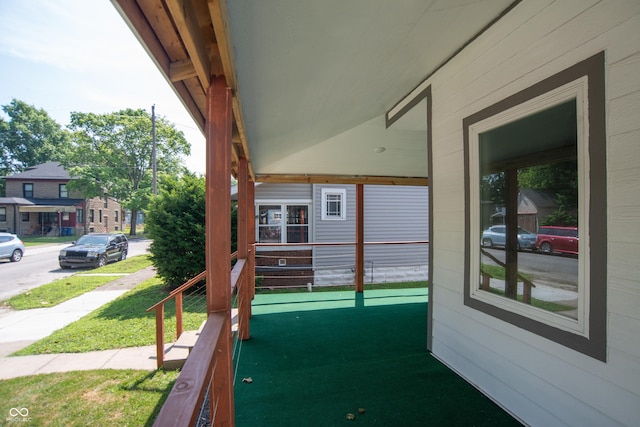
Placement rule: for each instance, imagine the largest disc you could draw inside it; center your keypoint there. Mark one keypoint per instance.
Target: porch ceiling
(312, 81)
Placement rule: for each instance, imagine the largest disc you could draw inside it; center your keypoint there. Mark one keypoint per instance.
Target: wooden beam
(181, 70)
(244, 293)
(251, 226)
(218, 12)
(218, 235)
(342, 179)
(218, 203)
(139, 24)
(359, 237)
(219, 16)
(186, 22)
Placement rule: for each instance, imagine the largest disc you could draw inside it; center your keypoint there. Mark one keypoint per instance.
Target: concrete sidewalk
(18, 329)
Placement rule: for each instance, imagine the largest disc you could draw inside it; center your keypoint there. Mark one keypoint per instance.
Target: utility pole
(153, 149)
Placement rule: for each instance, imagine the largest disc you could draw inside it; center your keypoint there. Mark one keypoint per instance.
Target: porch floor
(315, 357)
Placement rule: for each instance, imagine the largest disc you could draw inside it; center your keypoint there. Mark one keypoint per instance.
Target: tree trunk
(134, 222)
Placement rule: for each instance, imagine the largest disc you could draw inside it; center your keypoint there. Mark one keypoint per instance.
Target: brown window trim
(595, 345)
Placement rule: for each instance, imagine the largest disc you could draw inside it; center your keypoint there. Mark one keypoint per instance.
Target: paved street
(39, 266)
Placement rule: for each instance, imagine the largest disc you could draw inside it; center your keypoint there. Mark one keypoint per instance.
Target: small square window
(334, 204)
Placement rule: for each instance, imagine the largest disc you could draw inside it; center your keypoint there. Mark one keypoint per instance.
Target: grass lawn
(69, 287)
(122, 323)
(86, 398)
(43, 240)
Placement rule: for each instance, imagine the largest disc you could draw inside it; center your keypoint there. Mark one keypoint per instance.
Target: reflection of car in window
(557, 239)
(496, 236)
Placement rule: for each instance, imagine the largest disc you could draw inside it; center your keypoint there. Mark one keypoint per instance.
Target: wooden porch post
(251, 238)
(244, 294)
(359, 237)
(218, 236)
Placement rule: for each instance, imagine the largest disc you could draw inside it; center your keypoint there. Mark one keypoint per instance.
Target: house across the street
(38, 202)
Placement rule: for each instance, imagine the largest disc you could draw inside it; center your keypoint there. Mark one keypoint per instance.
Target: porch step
(177, 353)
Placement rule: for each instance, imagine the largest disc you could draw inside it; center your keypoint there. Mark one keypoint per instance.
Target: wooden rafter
(185, 19)
(342, 179)
(181, 70)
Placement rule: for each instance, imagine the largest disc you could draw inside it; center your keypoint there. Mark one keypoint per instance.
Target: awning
(43, 208)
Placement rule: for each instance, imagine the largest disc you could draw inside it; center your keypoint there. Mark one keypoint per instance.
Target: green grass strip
(66, 288)
(82, 398)
(122, 323)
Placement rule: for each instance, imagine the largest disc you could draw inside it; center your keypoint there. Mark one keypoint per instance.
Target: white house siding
(391, 213)
(541, 382)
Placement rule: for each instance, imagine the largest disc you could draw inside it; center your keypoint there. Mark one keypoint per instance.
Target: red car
(552, 239)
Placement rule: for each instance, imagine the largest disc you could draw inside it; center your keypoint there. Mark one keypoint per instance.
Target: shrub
(176, 224)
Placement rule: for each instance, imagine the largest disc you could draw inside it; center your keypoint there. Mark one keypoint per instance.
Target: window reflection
(529, 211)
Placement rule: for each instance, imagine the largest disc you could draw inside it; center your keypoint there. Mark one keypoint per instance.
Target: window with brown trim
(535, 242)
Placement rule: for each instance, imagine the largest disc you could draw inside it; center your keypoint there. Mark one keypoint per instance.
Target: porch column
(359, 237)
(244, 293)
(251, 238)
(218, 235)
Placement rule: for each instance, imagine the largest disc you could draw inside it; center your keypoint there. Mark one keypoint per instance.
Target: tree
(561, 179)
(30, 137)
(175, 222)
(111, 155)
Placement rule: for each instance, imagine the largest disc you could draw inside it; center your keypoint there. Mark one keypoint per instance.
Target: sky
(79, 55)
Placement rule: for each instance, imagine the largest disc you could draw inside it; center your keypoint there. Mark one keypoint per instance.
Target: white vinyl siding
(391, 213)
(539, 381)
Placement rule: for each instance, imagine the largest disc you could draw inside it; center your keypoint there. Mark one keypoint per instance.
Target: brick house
(38, 202)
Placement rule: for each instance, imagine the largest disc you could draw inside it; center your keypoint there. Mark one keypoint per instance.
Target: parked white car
(11, 247)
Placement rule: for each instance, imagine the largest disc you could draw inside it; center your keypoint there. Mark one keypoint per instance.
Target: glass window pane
(269, 234)
(297, 224)
(528, 184)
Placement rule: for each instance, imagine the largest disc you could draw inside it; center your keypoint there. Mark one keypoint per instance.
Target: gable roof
(49, 170)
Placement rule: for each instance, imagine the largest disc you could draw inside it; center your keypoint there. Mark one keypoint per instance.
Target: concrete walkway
(18, 329)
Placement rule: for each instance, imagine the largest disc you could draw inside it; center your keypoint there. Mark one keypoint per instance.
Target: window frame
(63, 193)
(24, 190)
(585, 79)
(3, 214)
(326, 192)
(284, 219)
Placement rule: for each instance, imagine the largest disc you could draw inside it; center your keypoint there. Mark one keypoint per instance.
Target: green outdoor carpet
(313, 358)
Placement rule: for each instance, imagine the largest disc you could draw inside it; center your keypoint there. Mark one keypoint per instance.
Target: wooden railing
(199, 372)
(486, 277)
(159, 308)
